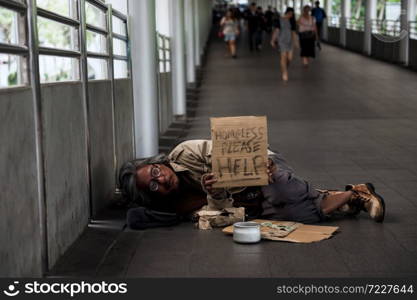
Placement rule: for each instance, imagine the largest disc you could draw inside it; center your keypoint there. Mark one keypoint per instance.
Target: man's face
(158, 179)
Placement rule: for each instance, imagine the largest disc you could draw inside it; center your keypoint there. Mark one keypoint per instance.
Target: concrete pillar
(405, 17)
(178, 57)
(145, 101)
(197, 32)
(370, 14)
(190, 41)
(327, 5)
(345, 14)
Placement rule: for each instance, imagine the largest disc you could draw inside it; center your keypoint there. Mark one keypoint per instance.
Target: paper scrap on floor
(291, 231)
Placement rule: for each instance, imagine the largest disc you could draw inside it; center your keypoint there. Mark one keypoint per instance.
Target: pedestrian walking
(254, 27)
(307, 31)
(284, 38)
(230, 29)
(319, 14)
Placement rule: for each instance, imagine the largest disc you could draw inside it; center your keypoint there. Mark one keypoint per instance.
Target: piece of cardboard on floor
(303, 234)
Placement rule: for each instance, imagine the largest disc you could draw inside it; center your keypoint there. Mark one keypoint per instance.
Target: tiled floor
(345, 119)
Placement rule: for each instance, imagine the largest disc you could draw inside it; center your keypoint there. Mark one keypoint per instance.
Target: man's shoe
(349, 209)
(365, 198)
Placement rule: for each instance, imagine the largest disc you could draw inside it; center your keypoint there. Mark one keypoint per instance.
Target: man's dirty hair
(128, 179)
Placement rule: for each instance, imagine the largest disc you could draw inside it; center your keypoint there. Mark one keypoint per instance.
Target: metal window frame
(123, 38)
(165, 59)
(106, 32)
(163, 48)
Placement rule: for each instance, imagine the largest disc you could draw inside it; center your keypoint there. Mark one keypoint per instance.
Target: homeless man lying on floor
(169, 188)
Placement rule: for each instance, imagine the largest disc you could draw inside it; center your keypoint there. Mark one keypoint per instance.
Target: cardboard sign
(239, 154)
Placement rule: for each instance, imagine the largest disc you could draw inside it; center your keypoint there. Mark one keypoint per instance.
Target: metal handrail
(412, 28)
(386, 27)
(355, 24)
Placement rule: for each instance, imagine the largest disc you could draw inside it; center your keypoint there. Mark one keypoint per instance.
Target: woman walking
(285, 38)
(307, 30)
(230, 29)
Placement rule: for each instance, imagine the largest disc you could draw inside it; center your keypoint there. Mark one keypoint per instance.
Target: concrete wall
(385, 51)
(20, 240)
(413, 53)
(334, 36)
(354, 40)
(165, 101)
(123, 120)
(100, 116)
(67, 195)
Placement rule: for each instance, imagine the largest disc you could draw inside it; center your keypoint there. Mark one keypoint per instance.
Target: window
(95, 16)
(58, 68)
(57, 35)
(66, 8)
(334, 19)
(413, 20)
(388, 14)
(13, 70)
(97, 68)
(58, 26)
(13, 67)
(119, 26)
(120, 68)
(120, 47)
(357, 13)
(96, 42)
(336, 7)
(9, 27)
(164, 53)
